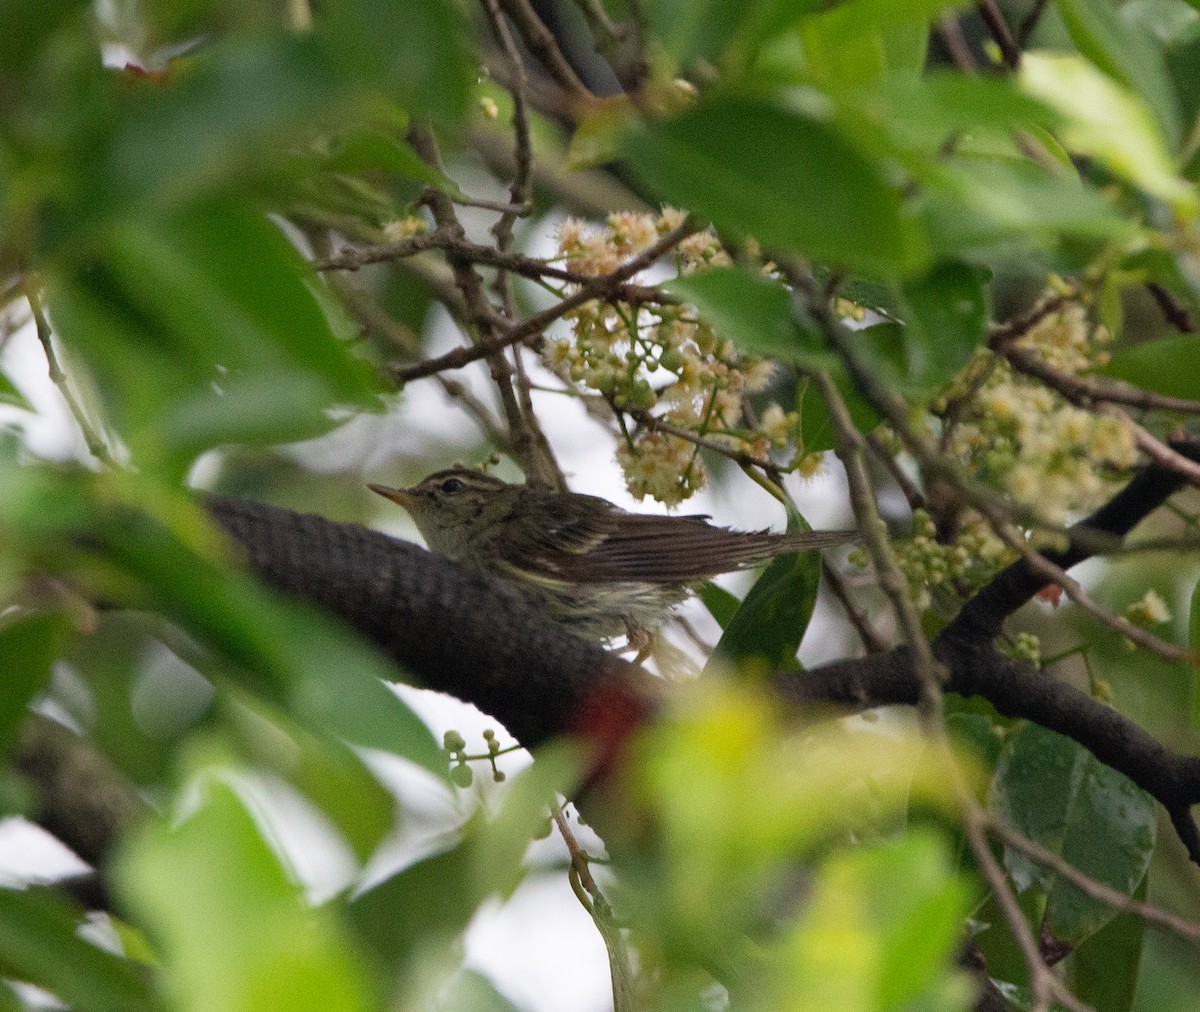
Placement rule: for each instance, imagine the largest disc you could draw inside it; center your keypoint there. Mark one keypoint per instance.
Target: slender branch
(1010, 52)
(489, 256)
(1087, 391)
(624, 980)
(1119, 901)
(851, 449)
(908, 488)
(871, 639)
(95, 443)
(602, 287)
(541, 467)
(1043, 984)
(544, 47)
(1174, 312)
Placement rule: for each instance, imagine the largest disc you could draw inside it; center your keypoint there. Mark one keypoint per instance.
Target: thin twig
(998, 28)
(895, 410)
(541, 467)
(595, 288)
(1106, 894)
(624, 981)
(488, 256)
(851, 449)
(951, 34)
(913, 495)
(871, 639)
(95, 443)
(1174, 312)
(544, 47)
(1087, 391)
(1043, 984)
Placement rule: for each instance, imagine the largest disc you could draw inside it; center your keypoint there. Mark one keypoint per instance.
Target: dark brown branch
(453, 628)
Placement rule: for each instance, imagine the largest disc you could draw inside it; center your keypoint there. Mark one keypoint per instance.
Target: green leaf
(1108, 123)
(417, 50)
(472, 992)
(901, 902)
(702, 29)
(792, 182)
(430, 903)
(1125, 53)
(754, 312)
(721, 604)
(327, 772)
(864, 40)
(1056, 792)
(202, 329)
(1167, 365)
(945, 314)
(1104, 969)
(9, 394)
(236, 931)
(318, 671)
(772, 620)
(28, 648)
(977, 202)
(26, 28)
(40, 943)
(228, 119)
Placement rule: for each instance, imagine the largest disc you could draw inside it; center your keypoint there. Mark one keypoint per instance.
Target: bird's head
(456, 509)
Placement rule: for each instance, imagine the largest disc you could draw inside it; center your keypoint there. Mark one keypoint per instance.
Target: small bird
(600, 570)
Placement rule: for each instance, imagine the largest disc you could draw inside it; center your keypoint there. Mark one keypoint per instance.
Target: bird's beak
(401, 496)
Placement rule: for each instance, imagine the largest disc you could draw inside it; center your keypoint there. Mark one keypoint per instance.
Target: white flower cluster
(1017, 435)
(661, 360)
(1024, 438)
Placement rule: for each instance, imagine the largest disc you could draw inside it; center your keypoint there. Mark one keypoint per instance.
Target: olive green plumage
(601, 570)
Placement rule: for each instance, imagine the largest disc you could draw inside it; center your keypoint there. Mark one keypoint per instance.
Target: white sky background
(540, 948)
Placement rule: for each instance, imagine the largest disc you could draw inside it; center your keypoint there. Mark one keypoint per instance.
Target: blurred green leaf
(473, 992)
(1166, 365)
(29, 646)
(1104, 969)
(227, 116)
(430, 903)
(1056, 792)
(787, 179)
(26, 27)
(976, 202)
(202, 329)
(327, 772)
(701, 29)
(417, 50)
(945, 314)
(426, 905)
(174, 563)
(1124, 52)
(40, 943)
(9, 394)
(235, 931)
(864, 40)
(1109, 124)
(903, 906)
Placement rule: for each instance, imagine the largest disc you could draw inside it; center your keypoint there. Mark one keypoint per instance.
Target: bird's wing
(582, 539)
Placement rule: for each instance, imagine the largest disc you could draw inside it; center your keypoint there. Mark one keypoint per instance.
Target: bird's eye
(451, 485)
